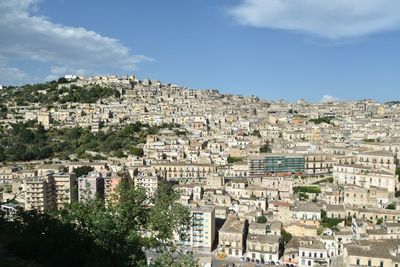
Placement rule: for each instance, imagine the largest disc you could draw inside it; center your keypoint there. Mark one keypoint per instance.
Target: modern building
(200, 235)
(65, 186)
(39, 193)
(90, 185)
(276, 163)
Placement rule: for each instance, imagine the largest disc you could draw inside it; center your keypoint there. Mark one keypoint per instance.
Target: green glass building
(276, 163)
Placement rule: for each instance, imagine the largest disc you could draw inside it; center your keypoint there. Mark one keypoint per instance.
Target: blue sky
(275, 49)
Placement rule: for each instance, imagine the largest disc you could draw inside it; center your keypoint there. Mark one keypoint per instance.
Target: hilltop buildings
(251, 171)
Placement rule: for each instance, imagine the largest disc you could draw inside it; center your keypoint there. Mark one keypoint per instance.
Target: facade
(147, 181)
(262, 244)
(200, 235)
(65, 186)
(312, 252)
(379, 253)
(39, 193)
(365, 176)
(232, 236)
(90, 185)
(276, 163)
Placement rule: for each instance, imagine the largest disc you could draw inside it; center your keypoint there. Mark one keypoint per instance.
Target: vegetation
(233, 159)
(30, 141)
(286, 236)
(84, 170)
(266, 148)
(303, 196)
(327, 180)
(90, 233)
(321, 120)
(379, 221)
(398, 172)
(307, 189)
(256, 133)
(34, 94)
(329, 222)
(348, 221)
(391, 206)
(261, 219)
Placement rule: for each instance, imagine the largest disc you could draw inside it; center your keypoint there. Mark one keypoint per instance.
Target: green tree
(181, 260)
(286, 236)
(83, 170)
(261, 219)
(167, 215)
(266, 148)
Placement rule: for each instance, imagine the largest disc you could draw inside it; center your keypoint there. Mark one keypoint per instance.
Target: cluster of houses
(267, 182)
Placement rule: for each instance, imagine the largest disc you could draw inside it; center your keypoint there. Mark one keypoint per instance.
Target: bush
(261, 219)
(307, 189)
(233, 159)
(391, 206)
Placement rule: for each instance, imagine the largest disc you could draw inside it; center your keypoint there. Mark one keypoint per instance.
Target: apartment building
(200, 235)
(65, 186)
(90, 185)
(39, 193)
(374, 253)
(232, 236)
(261, 244)
(312, 252)
(365, 176)
(148, 181)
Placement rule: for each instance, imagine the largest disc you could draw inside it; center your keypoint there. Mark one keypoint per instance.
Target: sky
(275, 49)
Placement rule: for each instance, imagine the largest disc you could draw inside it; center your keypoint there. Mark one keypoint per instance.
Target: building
(365, 176)
(232, 236)
(261, 245)
(111, 183)
(65, 186)
(201, 234)
(39, 193)
(276, 163)
(148, 181)
(44, 119)
(312, 252)
(374, 253)
(90, 185)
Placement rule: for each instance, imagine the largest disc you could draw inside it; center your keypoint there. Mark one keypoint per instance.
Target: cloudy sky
(275, 49)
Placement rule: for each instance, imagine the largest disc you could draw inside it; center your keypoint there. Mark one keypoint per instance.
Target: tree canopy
(91, 233)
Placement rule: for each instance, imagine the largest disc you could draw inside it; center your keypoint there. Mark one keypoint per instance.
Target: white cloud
(27, 36)
(329, 98)
(11, 74)
(332, 19)
(60, 71)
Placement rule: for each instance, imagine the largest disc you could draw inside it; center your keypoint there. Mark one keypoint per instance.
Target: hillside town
(267, 183)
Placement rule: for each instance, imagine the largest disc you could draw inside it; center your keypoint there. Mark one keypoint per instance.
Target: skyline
(237, 47)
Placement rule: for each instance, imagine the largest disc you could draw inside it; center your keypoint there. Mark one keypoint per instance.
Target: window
(358, 262)
(381, 265)
(369, 262)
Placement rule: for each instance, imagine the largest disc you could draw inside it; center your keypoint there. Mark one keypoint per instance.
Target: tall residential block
(90, 185)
